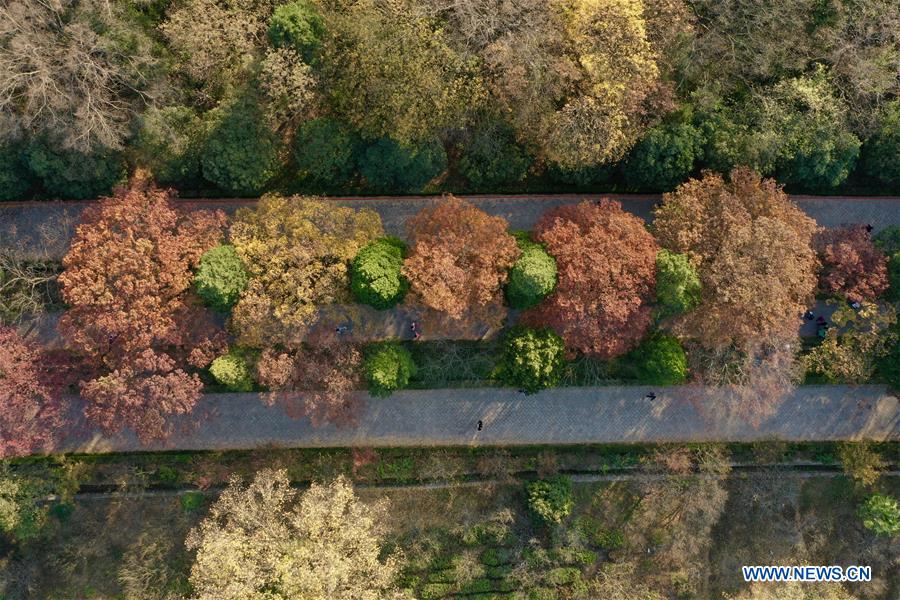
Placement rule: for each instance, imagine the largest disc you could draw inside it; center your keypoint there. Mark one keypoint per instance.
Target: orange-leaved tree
(127, 281)
(606, 261)
(853, 265)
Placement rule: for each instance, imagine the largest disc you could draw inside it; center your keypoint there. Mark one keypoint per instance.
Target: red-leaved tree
(851, 264)
(606, 261)
(127, 281)
(31, 409)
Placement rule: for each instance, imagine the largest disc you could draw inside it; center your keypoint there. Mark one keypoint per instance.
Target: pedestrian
(855, 305)
(820, 320)
(651, 396)
(808, 315)
(479, 425)
(869, 228)
(822, 331)
(523, 392)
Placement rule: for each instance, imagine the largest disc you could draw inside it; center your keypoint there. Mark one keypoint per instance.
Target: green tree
(168, 142)
(533, 275)
(551, 499)
(221, 277)
(297, 25)
(664, 157)
(375, 276)
(678, 285)
(888, 240)
(881, 514)
(661, 361)
(325, 152)
(533, 359)
(13, 173)
(388, 367)
(861, 462)
(241, 153)
(888, 367)
(491, 156)
(390, 167)
(881, 152)
(70, 174)
(232, 371)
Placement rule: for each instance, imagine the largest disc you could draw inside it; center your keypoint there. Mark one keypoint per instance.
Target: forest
(242, 97)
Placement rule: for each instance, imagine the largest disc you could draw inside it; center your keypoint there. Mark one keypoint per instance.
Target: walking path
(558, 416)
(46, 227)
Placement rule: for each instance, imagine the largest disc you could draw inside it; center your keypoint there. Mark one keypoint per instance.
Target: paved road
(559, 416)
(21, 223)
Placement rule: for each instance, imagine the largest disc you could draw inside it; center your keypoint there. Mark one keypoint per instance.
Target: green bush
(562, 576)
(390, 167)
(661, 360)
(533, 359)
(492, 157)
(888, 239)
(550, 500)
(325, 152)
(375, 276)
(68, 174)
(677, 284)
(434, 591)
(582, 177)
(532, 277)
(881, 152)
(232, 371)
(881, 514)
(664, 158)
(888, 367)
(297, 25)
(192, 501)
(241, 153)
(168, 142)
(14, 176)
(388, 367)
(221, 277)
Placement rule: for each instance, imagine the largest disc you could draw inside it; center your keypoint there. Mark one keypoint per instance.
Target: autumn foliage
(459, 258)
(606, 262)
(852, 265)
(127, 282)
(30, 409)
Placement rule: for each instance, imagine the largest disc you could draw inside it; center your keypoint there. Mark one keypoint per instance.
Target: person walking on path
(651, 396)
(480, 425)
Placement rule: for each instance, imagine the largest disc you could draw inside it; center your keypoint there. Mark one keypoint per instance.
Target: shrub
(325, 152)
(232, 371)
(533, 359)
(297, 25)
(888, 367)
(662, 361)
(881, 152)
(563, 576)
(221, 277)
(192, 501)
(74, 175)
(881, 514)
(860, 462)
(388, 367)
(241, 153)
(532, 277)
(585, 176)
(664, 157)
(551, 499)
(888, 240)
(169, 141)
(375, 276)
(13, 173)
(492, 157)
(390, 167)
(677, 284)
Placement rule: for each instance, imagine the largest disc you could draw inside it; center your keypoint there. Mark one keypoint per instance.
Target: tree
(232, 371)
(71, 174)
(459, 258)
(288, 85)
(73, 71)
(390, 167)
(533, 359)
(266, 539)
(297, 25)
(14, 176)
(678, 287)
(27, 286)
(881, 514)
(661, 361)
(325, 152)
(664, 157)
(31, 409)
(388, 367)
(607, 264)
(881, 152)
(492, 157)
(375, 275)
(390, 72)
(888, 240)
(221, 277)
(297, 251)
(860, 462)
(168, 142)
(127, 281)
(551, 499)
(241, 152)
(532, 277)
(852, 265)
